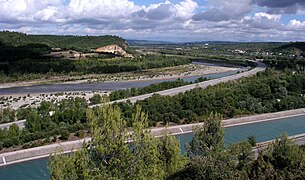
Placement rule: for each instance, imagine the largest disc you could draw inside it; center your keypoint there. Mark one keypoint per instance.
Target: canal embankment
(45, 151)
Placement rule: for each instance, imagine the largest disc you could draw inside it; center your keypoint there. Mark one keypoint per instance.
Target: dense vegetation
(290, 46)
(121, 94)
(32, 67)
(46, 123)
(107, 156)
(283, 64)
(7, 115)
(269, 91)
(80, 43)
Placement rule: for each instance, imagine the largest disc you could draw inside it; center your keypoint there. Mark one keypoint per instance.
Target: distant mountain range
(147, 42)
(150, 42)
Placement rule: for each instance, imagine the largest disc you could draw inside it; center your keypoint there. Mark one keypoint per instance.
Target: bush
(80, 134)
(96, 99)
(54, 139)
(22, 113)
(64, 134)
(8, 143)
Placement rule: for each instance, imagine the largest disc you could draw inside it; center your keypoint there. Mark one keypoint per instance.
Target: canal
(263, 131)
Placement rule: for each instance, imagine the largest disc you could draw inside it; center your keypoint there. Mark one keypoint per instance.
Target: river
(263, 131)
(109, 86)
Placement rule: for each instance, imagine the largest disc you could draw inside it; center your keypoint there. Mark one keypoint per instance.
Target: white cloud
(262, 15)
(224, 10)
(183, 10)
(186, 8)
(29, 10)
(101, 8)
(295, 25)
(262, 20)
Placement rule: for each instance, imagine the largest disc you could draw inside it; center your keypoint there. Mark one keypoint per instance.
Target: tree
(252, 141)
(170, 154)
(283, 159)
(96, 99)
(208, 140)
(208, 168)
(208, 160)
(114, 153)
(243, 154)
(13, 131)
(33, 121)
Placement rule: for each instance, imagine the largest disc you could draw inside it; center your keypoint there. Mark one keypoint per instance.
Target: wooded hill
(297, 45)
(295, 48)
(80, 43)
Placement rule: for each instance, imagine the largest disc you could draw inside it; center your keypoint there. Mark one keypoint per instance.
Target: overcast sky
(172, 20)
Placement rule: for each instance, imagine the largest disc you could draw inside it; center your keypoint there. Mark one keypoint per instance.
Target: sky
(165, 20)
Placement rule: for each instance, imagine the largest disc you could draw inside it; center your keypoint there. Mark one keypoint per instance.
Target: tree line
(48, 66)
(268, 91)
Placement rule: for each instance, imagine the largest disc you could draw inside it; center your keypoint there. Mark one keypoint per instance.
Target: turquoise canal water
(264, 131)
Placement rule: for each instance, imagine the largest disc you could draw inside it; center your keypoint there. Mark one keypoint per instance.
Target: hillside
(80, 43)
(296, 46)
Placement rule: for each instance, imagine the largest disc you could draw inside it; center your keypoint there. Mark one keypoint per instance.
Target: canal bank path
(70, 146)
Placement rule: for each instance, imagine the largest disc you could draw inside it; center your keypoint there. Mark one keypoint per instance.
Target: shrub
(64, 134)
(96, 99)
(54, 138)
(80, 134)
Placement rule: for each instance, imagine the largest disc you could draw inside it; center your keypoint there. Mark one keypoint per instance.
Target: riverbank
(151, 74)
(16, 101)
(45, 151)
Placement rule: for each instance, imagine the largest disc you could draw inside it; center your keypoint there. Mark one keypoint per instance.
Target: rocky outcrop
(114, 49)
